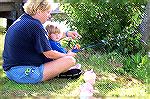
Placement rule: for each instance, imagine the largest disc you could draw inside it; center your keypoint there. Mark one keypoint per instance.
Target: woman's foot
(70, 74)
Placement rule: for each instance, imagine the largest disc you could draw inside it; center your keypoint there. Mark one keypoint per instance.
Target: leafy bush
(114, 22)
(138, 66)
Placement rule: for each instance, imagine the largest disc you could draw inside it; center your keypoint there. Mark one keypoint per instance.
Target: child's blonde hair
(31, 6)
(52, 29)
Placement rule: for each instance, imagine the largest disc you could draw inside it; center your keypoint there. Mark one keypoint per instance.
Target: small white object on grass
(86, 89)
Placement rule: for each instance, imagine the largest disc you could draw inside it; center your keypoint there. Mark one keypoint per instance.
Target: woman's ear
(38, 12)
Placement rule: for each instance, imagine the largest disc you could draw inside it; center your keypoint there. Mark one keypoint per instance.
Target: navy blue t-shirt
(25, 41)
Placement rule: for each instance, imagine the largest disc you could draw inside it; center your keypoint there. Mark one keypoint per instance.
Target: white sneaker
(77, 66)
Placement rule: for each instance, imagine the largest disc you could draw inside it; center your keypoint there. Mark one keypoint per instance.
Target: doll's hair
(88, 75)
(31, 6)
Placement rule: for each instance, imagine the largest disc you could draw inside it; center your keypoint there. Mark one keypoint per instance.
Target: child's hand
(76, 48)
(70, 53)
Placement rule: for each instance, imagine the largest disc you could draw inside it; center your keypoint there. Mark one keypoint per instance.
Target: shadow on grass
(54, 87)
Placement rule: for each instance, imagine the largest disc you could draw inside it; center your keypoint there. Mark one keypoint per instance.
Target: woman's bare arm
(52, 54)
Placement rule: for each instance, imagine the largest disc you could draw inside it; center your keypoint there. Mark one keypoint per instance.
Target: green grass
(54, 87)
(108, 83)
(1, 43)
(1, 50)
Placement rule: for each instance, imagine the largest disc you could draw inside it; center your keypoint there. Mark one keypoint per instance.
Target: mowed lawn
(108, 82)
(1, 50)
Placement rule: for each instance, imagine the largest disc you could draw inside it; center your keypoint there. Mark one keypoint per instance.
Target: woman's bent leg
(54, 68)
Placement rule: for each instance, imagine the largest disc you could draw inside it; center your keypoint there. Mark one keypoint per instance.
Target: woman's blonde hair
(52, 29)
(31, 6)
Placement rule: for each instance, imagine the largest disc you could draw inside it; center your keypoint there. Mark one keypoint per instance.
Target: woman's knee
(70, 59)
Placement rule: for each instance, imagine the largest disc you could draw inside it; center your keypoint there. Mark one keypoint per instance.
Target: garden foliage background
(120, 59)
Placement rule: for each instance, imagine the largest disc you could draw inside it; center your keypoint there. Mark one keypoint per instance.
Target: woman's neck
(36, 16)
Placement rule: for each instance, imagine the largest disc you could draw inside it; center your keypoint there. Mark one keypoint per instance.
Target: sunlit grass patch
(2, 36)
(1, 44)
(135, 90)
(105, 86)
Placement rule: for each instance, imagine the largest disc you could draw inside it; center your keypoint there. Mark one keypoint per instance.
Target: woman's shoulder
(30, 20)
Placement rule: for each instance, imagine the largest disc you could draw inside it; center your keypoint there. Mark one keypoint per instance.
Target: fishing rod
(102, 43)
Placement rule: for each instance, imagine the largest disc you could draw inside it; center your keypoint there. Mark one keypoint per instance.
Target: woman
(26, 47)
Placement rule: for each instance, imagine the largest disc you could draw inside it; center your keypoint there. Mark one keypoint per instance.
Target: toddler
(55, 35)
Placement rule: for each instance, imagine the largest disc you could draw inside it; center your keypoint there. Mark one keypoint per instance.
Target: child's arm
(57, 46)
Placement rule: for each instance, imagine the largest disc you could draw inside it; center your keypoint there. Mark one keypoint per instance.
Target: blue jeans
(26, 74)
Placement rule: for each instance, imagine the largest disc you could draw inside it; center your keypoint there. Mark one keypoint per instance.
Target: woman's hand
(70, 53)
(73, 34)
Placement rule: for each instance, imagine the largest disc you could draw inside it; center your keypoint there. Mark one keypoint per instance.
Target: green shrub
(137, 66)
(114, 22)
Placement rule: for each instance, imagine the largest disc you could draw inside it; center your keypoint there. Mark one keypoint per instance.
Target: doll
(86, 89)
